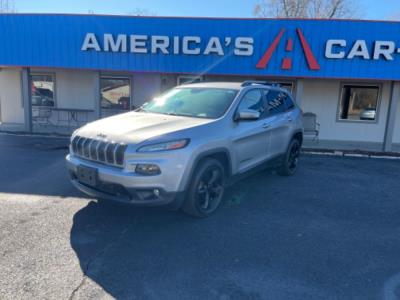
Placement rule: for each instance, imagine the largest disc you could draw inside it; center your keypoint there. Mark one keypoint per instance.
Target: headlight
(172, 145)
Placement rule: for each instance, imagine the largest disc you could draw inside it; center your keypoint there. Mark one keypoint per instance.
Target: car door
(250, 138)
(279, 121)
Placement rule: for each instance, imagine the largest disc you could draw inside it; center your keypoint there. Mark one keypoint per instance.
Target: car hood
(136, 127)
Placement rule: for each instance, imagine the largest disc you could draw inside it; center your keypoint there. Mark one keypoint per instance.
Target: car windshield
(210, 103)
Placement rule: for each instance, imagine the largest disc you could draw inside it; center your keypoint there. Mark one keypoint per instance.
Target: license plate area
(87, 175)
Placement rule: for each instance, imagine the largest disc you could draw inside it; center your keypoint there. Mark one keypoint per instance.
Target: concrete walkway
(346, 146)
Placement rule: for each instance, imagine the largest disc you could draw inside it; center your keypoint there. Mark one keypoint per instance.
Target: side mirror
(247, 115)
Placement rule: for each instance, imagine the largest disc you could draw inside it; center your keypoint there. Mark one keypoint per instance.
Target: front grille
(109, 153)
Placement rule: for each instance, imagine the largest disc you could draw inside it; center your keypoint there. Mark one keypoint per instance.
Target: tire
(291, 159)
(206, 189)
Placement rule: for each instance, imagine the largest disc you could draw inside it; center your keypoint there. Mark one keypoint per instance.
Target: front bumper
(118, 185)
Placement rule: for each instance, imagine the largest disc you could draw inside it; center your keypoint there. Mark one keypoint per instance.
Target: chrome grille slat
(105, 152)
(82, 147)
(79, 145)
(86, 148)
(110, 158)
(93, 149)
(97, 149)
(119, 156)
(74, 143)
(110, 153)
(114, 153)
(101, 152)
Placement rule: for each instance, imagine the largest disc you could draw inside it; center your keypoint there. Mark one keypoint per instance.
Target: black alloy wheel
(206, 189)
(290, 161)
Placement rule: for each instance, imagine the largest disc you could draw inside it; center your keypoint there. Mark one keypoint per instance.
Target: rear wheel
(291, 159)
(206, 189)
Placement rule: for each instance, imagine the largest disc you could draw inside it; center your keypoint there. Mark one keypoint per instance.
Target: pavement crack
(93, 259)
(81, 284)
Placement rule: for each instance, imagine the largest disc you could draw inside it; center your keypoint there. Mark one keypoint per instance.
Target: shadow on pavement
(273, 238)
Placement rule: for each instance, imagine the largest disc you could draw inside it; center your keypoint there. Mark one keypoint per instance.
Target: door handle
(290, 119)
(266, 125)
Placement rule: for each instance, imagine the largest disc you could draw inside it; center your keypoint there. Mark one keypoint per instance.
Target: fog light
(156, 193)
(130, 167)
(147, 169)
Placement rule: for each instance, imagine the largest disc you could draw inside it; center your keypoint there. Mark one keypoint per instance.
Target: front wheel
(206, 189)
(291, 159)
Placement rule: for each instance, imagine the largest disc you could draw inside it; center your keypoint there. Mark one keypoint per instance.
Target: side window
(276, 102)
(253, 99)
(289, 102)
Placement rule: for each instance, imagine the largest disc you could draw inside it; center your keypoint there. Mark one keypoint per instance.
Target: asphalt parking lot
(332, 231)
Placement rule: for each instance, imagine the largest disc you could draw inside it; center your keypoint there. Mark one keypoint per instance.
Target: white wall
(145, 87)
(322, 98)
(11, 108)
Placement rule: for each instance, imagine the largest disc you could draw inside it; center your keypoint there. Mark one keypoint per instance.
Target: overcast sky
(370, 9)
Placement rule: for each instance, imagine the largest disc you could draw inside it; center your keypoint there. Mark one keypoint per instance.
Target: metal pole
(26, 98)
(299, 91)
(391, 116)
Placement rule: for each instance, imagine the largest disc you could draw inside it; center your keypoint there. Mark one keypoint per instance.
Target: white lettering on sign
(176, 44)
(243, 46)
(159, 43)
(220, 46)
(214, 47)
(385, 49)
(332, 49)
(337, 49)
(359, 49)
(138, 43)
(187, 43)
(90, 43)
(114, 45)
(165, 45)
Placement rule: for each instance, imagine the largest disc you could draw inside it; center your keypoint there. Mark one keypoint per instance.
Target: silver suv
(182, 148)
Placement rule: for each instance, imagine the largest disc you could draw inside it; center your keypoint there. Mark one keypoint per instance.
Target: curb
(353, 153)
(39, 141)
(38, 135)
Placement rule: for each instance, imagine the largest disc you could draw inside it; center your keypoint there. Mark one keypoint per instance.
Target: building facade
(58, 72)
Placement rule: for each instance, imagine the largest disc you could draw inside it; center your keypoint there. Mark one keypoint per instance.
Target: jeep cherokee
(181, 148)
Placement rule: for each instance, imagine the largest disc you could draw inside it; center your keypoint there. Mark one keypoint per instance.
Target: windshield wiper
(179, 115)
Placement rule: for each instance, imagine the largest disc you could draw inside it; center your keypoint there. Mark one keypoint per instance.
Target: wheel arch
(298, 135)
(220, 154)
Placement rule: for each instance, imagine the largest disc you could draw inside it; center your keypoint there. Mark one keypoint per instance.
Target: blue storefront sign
(257, 47)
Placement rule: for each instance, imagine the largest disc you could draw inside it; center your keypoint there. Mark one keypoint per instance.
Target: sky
(369, 9)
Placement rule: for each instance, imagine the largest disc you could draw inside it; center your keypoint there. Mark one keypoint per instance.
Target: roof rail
(251, 82)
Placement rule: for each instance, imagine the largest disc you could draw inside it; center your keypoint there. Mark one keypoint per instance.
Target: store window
(186, 79)
(42, 92)
(358, 103)
(287, 86)
(115, 93)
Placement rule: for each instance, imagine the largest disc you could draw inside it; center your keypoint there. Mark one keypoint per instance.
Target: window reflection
(42, 93)
(115, 93)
